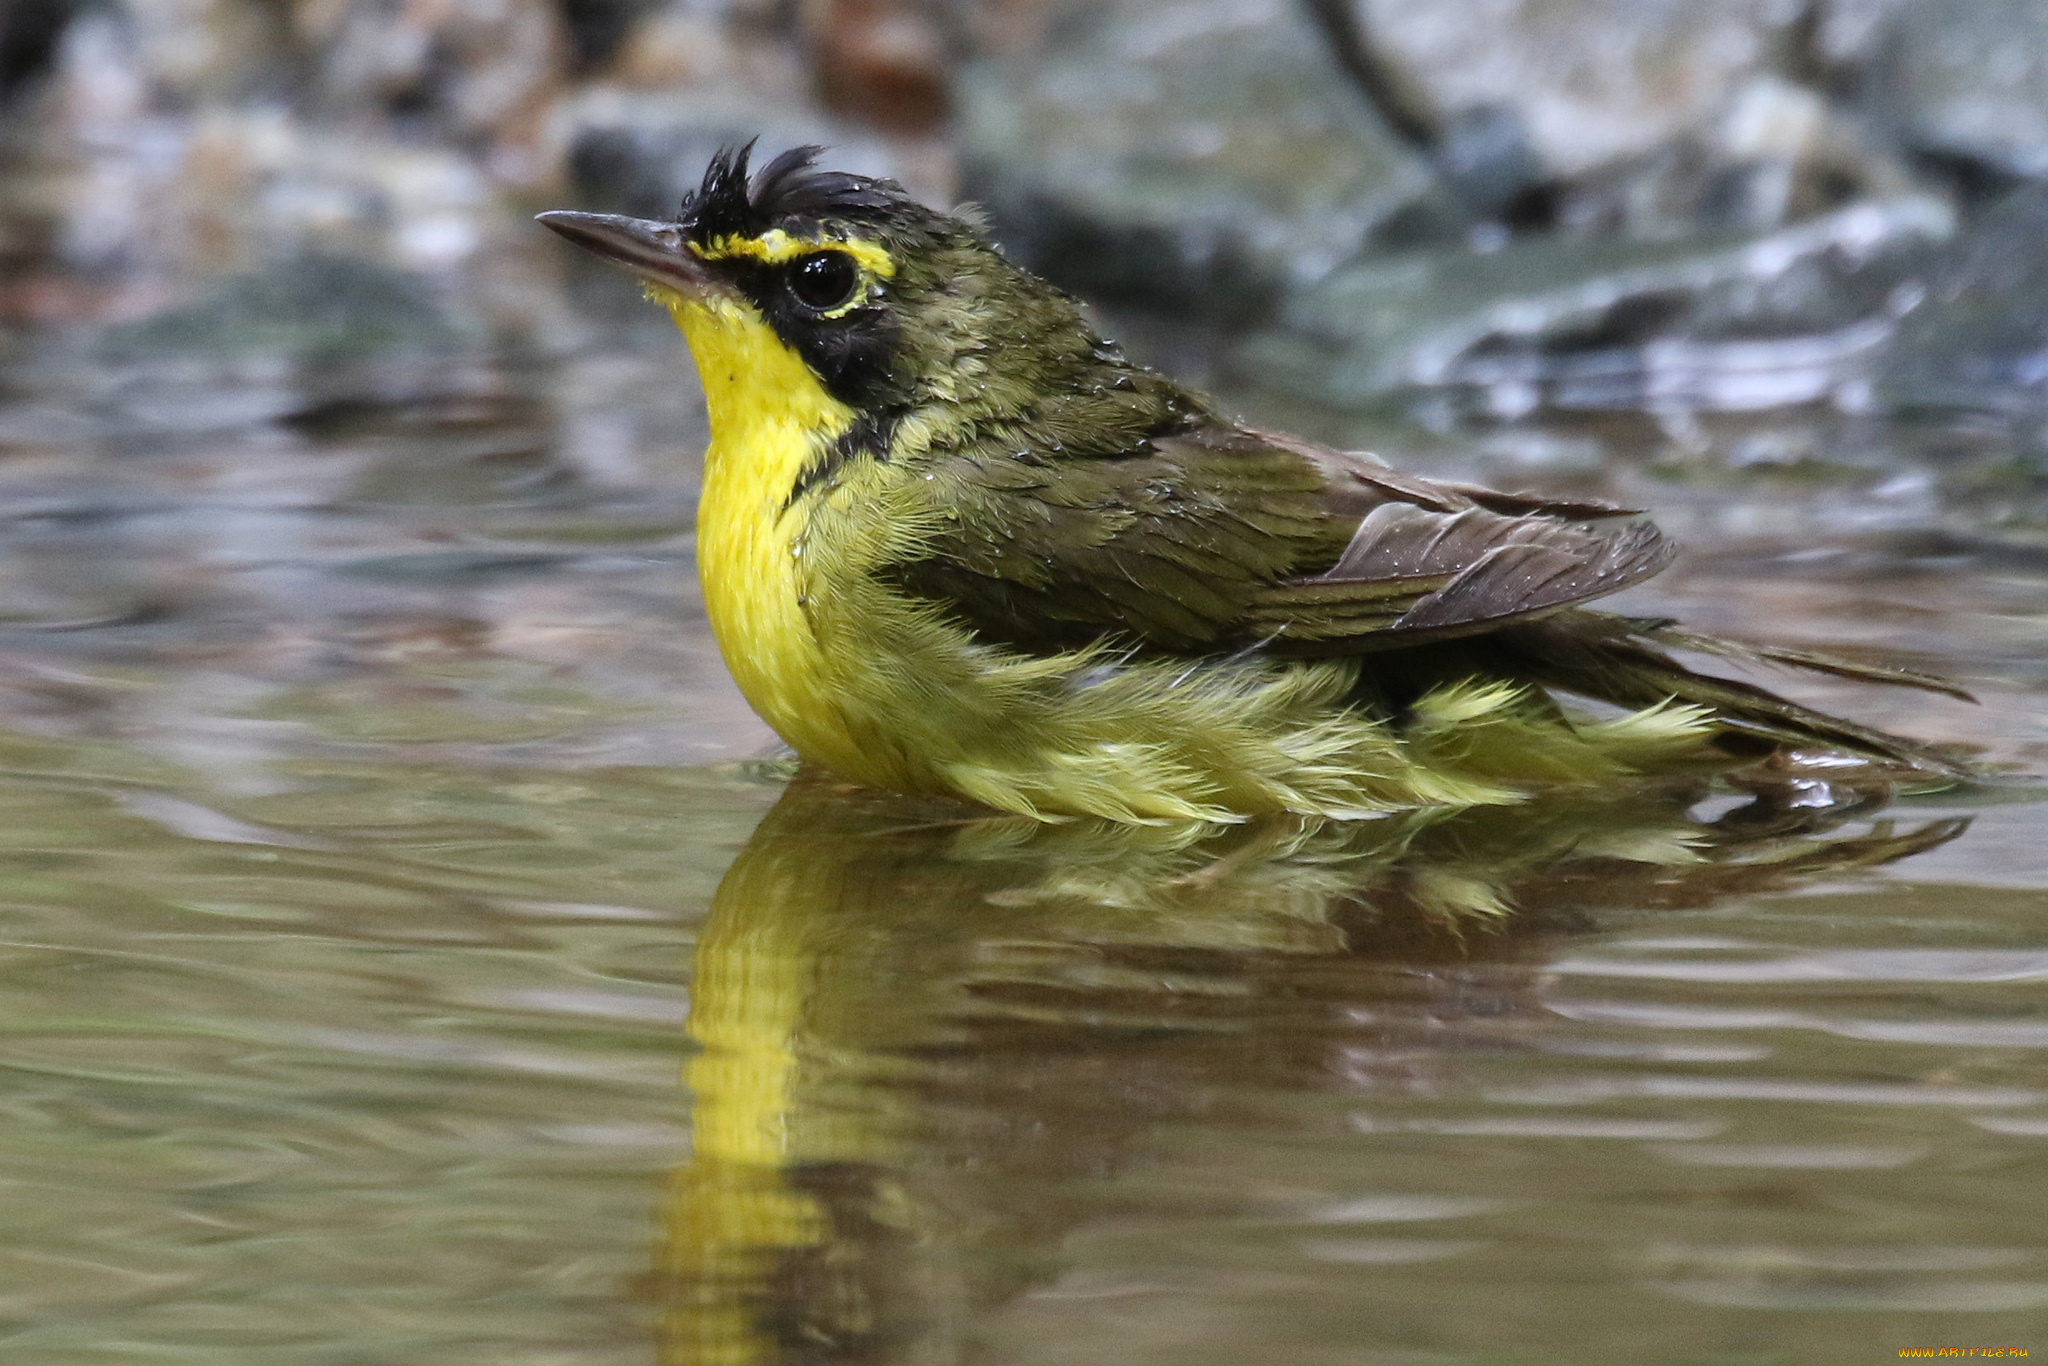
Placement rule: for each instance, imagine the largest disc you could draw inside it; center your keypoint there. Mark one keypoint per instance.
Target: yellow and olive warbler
(952, 541)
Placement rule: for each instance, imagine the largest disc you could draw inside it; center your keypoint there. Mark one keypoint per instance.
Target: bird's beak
(653, 251)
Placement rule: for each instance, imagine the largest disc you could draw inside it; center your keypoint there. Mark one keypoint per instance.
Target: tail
(1627, 661)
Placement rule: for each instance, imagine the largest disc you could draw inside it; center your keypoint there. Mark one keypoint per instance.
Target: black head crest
(789, 193)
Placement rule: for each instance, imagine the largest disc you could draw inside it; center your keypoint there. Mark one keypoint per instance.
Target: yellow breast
(769, 418)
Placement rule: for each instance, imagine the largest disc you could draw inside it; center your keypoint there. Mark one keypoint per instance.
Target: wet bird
(953, 542)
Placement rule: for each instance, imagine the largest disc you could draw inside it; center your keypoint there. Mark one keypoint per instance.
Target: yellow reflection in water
(856, 933)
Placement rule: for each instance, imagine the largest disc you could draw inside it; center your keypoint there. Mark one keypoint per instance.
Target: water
(406, 958)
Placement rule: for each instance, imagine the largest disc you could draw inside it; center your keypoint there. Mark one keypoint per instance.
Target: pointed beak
(653, 251)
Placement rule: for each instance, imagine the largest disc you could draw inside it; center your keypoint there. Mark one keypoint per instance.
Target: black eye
(824, 279)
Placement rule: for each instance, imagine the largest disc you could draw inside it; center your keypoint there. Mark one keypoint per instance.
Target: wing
(1429, 561)
(1221, 537)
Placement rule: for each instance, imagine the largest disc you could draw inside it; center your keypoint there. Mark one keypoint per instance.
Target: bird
(953, 542)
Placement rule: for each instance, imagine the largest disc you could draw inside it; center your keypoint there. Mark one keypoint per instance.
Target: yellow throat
(770, 417)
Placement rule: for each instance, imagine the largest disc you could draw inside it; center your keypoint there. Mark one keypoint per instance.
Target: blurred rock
(882, 62)
(1849, 34)
(1979, 340)
(1590, 81)
(686, 82)
(1638, 116)
(308, 311)
(640, 153)
(1779, 154)
(264, 349)
(1968, 80)
(1188, 154)
(201, 51)
(1703, 323)
(485, 71)
(596, 28)
(80, 153)
(30, 31)
(154, 162)
(694, 47)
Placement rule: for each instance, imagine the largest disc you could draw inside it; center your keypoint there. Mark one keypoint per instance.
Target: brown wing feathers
(1219, 537)
(1413, 573)
(1429, 561)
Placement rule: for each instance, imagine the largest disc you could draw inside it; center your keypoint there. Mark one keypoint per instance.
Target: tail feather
(1814, 661)
(1627, 662)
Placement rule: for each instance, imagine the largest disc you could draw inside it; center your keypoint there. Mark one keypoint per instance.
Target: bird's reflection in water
(913, 1022)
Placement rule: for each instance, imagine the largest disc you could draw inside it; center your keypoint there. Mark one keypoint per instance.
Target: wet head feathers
(923, 315)
(790, 193)
(924, 328)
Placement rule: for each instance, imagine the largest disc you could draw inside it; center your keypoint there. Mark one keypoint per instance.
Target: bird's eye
(824, 279)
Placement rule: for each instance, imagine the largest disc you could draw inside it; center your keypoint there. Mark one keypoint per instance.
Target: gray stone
(309, 311)
(1591, 82)
(640, 153)
(1197, 155)
(1979, 339)
(1722, 322)
(1646, 117)
(1968, 79)
(1851, 34)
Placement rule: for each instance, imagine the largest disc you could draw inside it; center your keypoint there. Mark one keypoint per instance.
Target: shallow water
(404, 959)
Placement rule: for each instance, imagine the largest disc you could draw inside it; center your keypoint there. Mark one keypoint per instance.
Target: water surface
(407, 955)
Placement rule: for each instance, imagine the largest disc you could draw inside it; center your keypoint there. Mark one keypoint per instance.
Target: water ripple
(1838, 965)
(1545, 1126)
(1921, 1296)
(1385, 1251)
(1589, 1090)
(1402, 1209)
(1937, 1033)
(1809, 1156)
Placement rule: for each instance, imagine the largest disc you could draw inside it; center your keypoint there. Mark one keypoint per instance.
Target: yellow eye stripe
(776, 247)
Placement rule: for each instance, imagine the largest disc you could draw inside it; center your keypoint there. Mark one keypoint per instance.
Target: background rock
(1590, 201)
(1590, 82)
(1639, 116)
(1968, 80)
(1198, 156)
(885, 62)
(309, 311)
(1979, 340)
(1712, 323)
(640, 153)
